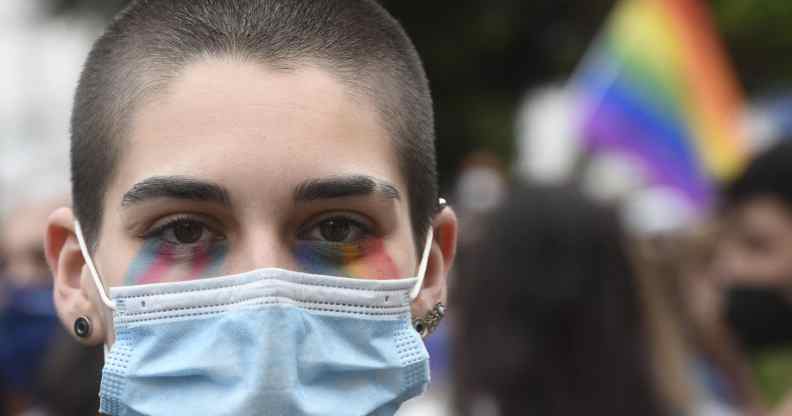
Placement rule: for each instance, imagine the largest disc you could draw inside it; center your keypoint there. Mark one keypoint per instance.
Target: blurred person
(554, 317)
(684, 266)
(480, 186)
(255, 226)
(720, 360)
(755, 264)
(68, 382)
(44, 370)
(27, 314)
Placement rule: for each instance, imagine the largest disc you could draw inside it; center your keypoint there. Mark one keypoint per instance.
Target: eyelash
(366, 227)
(159, 230)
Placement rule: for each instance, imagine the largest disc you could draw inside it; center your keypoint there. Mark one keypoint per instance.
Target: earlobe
(441, 258)
(72, 299)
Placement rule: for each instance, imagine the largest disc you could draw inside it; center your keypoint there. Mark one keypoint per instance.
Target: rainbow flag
(657, 88)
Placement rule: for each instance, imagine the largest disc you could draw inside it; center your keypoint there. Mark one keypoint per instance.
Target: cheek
(369, 260)
(157, 262)
(113, 262)
(376, 263)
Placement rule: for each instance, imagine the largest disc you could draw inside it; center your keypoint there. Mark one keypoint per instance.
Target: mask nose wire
(92, 268)
(423, 264)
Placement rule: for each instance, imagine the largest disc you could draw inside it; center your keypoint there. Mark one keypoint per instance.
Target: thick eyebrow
(176, 187)
(344, 186)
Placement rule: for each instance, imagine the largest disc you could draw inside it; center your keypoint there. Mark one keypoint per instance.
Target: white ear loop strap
(425, 257)
(89, 262)
(423, 265)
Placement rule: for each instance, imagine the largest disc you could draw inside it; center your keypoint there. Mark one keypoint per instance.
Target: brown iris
(187, 232)
(335, 230)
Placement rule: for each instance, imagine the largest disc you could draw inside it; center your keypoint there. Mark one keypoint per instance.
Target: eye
(338, 229)
(187, 232)
(183, 232)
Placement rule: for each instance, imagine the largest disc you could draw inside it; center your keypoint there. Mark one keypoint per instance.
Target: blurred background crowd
(623, 179)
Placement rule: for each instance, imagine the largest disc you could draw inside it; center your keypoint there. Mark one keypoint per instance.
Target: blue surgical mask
(265, 342)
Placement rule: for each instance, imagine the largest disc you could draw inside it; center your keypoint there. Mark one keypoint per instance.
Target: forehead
(765, 209)
(255, 129)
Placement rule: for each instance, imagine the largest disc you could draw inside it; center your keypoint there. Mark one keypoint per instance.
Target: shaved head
(151, 42)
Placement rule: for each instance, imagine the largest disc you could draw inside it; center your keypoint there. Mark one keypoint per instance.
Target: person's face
(238, 167)
(756, 247)
(23, 246)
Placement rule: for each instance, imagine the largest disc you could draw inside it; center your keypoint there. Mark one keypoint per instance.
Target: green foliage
(757, 36)
(773, 371)
(483, 56)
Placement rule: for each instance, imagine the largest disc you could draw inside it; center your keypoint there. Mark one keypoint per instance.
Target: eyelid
(369, 226)
(162, 224)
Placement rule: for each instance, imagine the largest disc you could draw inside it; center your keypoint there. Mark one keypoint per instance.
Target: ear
(441, 258)
(73, 294)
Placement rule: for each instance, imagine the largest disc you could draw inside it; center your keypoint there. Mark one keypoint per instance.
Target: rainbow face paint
(160, 261)
(367, 260)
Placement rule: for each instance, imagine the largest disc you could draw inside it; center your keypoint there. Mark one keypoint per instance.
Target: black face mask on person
(760, 316)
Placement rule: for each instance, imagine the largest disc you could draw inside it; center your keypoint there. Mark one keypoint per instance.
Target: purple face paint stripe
(313, 259)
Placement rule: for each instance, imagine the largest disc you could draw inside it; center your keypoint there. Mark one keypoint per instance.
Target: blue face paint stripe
(216, 256)
(361, 260)
(142, 262)
(312, 261)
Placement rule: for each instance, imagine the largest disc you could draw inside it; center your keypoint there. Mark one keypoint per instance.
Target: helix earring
(441, 205)
(82, 327)
(426, 325)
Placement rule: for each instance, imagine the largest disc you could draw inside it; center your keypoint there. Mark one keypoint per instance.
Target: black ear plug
(82, 327)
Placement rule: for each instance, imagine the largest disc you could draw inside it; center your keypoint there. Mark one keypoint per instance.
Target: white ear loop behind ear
(423, 264)
(89, 262)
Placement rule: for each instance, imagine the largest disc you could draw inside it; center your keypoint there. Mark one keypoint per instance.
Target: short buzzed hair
(151, 41)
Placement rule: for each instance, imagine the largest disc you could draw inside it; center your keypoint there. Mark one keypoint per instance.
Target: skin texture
(367, 260)
(158, 262)
(260, 133)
